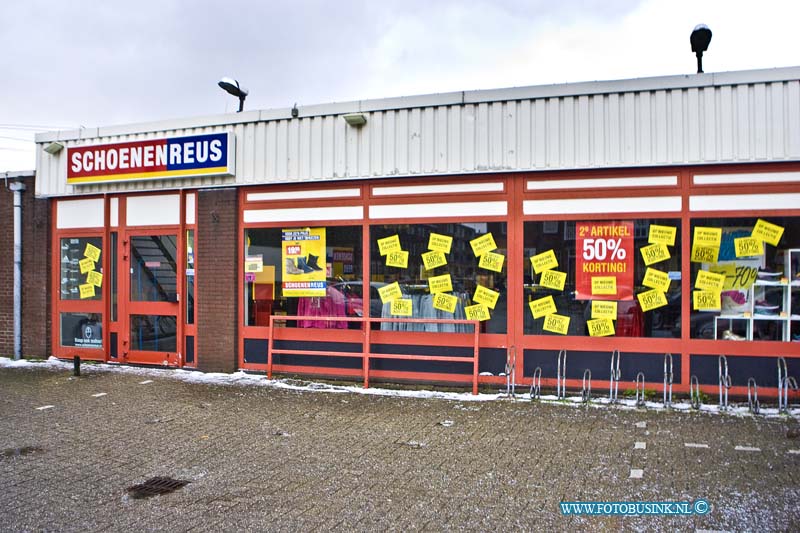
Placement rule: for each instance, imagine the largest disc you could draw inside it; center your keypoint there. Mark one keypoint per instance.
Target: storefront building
(651, 216)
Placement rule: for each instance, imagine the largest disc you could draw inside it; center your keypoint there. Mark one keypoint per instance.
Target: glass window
(314, 272)
(154, 275)
(156, 333)
(190, 269)
(82, 330)
(114, 294)
(472, 280)
(81, 268)
(745, 279)
(580, 272)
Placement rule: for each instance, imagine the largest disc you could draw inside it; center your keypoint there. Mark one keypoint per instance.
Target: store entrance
(150, 298)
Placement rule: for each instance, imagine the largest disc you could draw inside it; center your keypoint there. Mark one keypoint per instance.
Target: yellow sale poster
(556, 324)
(481, 245)
(303, 256)
(440, 243)
(604, 309)
(445, 302)
(401, 307)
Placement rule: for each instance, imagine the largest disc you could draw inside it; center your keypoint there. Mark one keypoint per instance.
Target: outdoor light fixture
(53, 148)
(700, 38)
(355, 119)
(232, 86)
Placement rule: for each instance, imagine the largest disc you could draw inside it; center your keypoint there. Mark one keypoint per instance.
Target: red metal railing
(366, 354)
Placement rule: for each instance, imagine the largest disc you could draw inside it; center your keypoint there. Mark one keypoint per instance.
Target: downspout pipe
(17, 187)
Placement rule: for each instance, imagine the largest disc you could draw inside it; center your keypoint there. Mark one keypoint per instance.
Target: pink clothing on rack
(333, 304)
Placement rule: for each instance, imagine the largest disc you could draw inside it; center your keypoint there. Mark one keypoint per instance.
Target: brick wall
(217, 249)
(6, 271)
(35, 273)
(36, 282)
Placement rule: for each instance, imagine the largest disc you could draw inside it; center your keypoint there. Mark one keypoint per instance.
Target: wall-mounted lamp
(53, 148)
(355, 119)
(231, 86)
(700, 38)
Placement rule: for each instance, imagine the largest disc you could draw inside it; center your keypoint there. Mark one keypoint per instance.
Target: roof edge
(684, 81)
(18, 174)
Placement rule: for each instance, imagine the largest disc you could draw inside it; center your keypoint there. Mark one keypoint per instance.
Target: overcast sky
(67, 64)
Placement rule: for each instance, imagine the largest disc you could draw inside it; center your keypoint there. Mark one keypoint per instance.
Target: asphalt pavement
(266, 458)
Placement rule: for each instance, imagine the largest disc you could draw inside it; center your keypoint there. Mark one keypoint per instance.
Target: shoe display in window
(762, 307)
(768, 274)
(728, 335)
(733, 302)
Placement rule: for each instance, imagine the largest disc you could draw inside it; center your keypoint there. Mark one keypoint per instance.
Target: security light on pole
(700, 38)
(232, 86)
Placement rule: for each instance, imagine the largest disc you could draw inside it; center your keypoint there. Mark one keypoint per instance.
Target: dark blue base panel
(630, 364)
(255, 351)
(490, 359)
(112, 349)
(763, 369)
(189, 349)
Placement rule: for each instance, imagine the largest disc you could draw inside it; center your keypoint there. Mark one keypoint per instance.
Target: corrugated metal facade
(703, 119)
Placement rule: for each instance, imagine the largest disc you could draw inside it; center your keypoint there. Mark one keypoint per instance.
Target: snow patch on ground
(243, 378)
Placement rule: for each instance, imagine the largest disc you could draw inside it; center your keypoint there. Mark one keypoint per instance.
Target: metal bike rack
(613, 389)
(752, 400)
(586, 390)
(785, 382)
(724, 382)
(640, 389)
(561, 376)
(667, 380)
(694, 392)
(536, 385)
(511, 373)
(789, 383)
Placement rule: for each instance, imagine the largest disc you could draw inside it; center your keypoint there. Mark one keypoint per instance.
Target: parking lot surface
(260, 457)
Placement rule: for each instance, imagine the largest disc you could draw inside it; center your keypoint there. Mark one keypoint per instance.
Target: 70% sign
(598, 249)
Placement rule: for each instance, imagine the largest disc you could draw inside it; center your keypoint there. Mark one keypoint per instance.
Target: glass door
(152, 310)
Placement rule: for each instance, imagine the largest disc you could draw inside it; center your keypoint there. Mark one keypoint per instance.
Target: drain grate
(24, 450)
(156, 486)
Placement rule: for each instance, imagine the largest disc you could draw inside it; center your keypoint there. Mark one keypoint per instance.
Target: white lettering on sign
(148, 156)
(137, 156)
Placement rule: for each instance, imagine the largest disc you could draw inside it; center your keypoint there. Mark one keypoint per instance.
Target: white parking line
(99, 394)
(795, 451)
(145, 382)
(42, 408)
(636, 473)
(695, 445)
(639, 445)
(747, 449)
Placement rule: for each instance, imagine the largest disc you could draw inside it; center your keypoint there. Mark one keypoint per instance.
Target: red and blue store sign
(196, 155)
